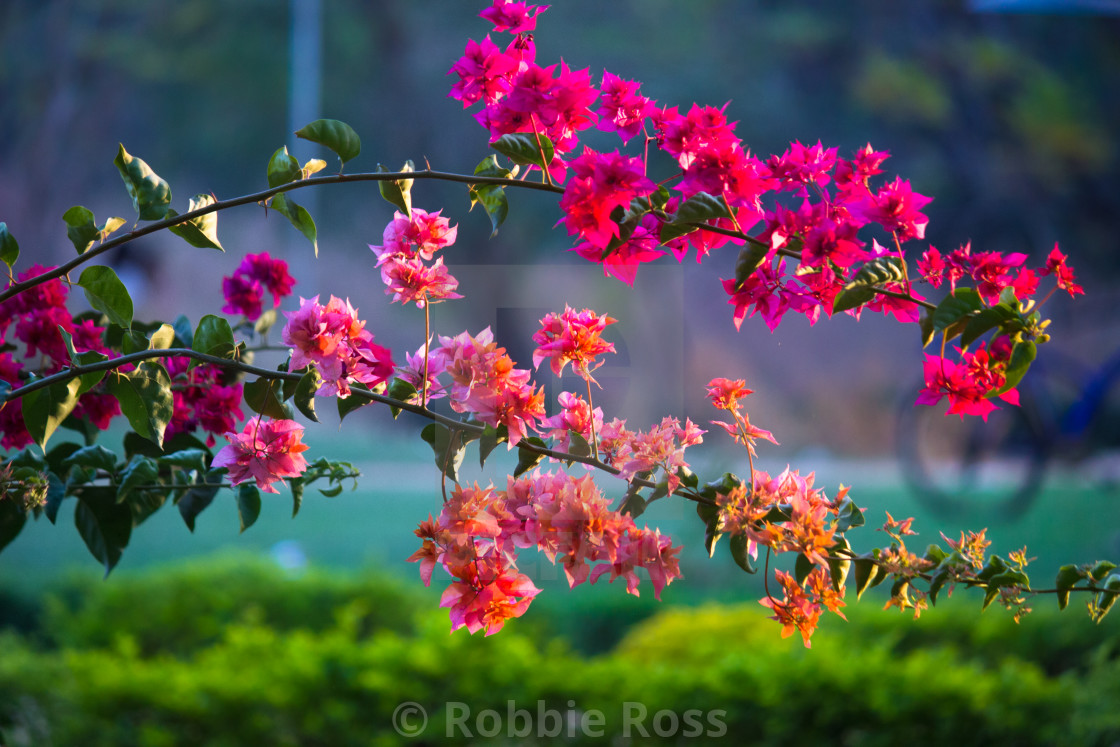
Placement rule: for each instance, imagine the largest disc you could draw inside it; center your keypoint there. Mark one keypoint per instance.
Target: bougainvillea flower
(1063, 273)
(265, 451)
(572, 337)
(514, 17)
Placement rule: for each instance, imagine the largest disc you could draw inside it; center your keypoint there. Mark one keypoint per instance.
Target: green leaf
(109, 227)
(699, 208)
(1022, 355)
(188, 459)
(489, 441)
(143, 503)
(1101, 569)
(1107, 598)
(81, 228)
(802, 567)
(492, 197)
(848, 515)
(984, 320)
(851, 299)
(107, 294)
(248, 504)
(838, 564)
(522, 147)
(331, 492)
(633, 504)
(296, 484)
(338, 136)
(141, 470)
(9, 247)
(955, 307)
(398, 192)
(282, 168)
(104, 525)
(145, 398)
(151, 196)
(12, 518)
(527, 459)
(59, 453)
(713, 529)
(299, 217)
(402, 391)
(202, 230)
(1068, 577)
(867, 575)
(195, 500)
(750, 258)
(925, 325)
(45, 409)
(877, 272)
(213, 337)
(447, 446)
(96, 457)
(88, 380)
(184, 333)
(163, 338)
(578, 445)
(347, 405)
(261, 397)
(738, 546)
(305, 393)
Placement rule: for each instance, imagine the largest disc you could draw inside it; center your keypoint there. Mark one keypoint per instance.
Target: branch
(136, 233)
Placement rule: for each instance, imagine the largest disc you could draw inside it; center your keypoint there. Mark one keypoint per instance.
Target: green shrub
(178, 609)
(238, 653)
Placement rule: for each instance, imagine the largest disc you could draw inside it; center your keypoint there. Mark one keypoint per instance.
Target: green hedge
(240, 654)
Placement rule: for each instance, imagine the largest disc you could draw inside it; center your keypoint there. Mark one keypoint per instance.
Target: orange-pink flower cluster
(480, 532)
(335, 341)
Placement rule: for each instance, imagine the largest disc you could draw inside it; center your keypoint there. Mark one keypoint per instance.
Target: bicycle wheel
(973, 467)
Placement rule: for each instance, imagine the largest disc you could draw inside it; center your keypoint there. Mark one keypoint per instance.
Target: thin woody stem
(260, 197)
(591, 418)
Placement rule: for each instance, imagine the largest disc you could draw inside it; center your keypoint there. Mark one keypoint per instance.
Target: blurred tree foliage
(1010, 121)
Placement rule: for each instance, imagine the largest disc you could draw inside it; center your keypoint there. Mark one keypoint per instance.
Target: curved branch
(136, 233)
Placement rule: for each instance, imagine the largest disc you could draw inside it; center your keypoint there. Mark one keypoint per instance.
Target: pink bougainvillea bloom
(600, 183)
(335, 341)
(801, 167)
(994, 271)
(271, 273)
(968, 384)
(484, 73)
(726, 393)
(421, 233)
(623, 109)
(243, 296)
(514, 17)
(409, 280)
(507, 597)
(1063, 273)
(763, 289)
(932, 266)
(854, 175)
(622, 261)
(265, 451)
(796, 611)
(575, 416)
(572, 337)
(897, 209)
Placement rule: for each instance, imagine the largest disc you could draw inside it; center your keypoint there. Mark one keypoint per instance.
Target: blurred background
(1007, 113)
